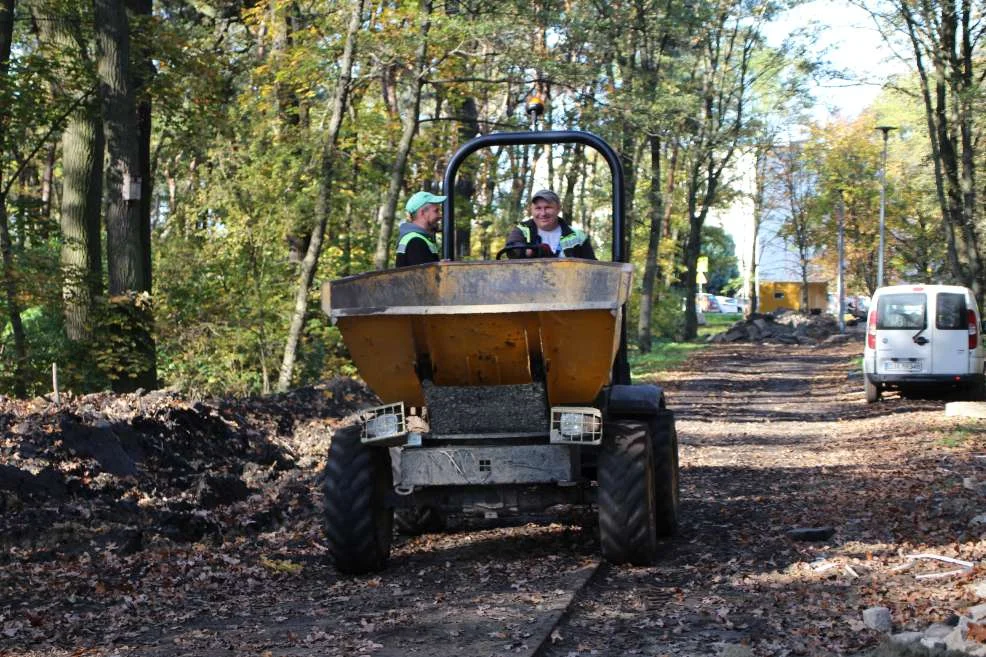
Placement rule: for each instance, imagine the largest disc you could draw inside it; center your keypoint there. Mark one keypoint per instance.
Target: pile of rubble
(137, 468)
(782, 328)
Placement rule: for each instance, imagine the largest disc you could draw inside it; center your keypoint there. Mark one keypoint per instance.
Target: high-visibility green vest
(406, 239)
(570, 241)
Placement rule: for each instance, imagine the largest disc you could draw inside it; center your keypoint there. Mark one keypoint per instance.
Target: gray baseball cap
(546, 195)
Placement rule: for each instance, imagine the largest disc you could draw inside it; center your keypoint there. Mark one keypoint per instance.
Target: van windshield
(902, 311)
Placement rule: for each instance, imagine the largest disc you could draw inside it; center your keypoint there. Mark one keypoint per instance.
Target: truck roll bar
(532, 138)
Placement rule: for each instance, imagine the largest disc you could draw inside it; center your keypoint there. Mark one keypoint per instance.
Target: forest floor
(153, 525)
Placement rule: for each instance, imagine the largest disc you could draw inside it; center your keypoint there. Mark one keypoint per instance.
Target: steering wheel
(521, 248)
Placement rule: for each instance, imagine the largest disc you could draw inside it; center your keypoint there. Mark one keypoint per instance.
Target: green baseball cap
(419, 199)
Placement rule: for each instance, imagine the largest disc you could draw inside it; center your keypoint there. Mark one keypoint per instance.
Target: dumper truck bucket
(557, 321)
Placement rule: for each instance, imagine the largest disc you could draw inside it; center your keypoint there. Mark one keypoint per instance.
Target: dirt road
(772, 438)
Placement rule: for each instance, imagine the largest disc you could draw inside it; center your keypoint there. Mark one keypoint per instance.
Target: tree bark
(653, 247)
(142, 74)
(82, 179)
(125, 253)
(322, 205)
(81, 263)
(410, 120)
(6, 248)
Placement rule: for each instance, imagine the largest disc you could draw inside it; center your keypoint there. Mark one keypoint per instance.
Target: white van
(921, 336)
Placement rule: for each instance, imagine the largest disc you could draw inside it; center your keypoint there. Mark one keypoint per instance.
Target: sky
(850, 41)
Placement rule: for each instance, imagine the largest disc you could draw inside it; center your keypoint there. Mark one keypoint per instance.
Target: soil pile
(124, 471)
(782, 328)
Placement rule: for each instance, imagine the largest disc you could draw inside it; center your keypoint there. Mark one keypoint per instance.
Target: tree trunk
(326, 172)
(142, 74)
(82, 182)
(6, 248)
(653, 247)
(125, 253)
(381, 256)
(82, 193)
(46, 181)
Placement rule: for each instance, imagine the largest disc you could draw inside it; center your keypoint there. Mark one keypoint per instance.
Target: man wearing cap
(416, 236)
(554, 237)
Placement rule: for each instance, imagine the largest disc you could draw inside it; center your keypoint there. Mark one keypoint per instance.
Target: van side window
(778, 295)
(950, 313)
(901, 311)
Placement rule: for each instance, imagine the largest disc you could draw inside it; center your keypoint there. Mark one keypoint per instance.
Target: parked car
(923, 336)
(707, 303)
(728, 305)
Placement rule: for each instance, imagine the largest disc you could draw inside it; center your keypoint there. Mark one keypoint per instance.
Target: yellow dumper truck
(505, 388)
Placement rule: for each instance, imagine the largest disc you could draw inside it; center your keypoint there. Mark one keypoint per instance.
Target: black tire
(627, 494)
(664, 437)
(358, 524)
(872, 390)
(417, 520)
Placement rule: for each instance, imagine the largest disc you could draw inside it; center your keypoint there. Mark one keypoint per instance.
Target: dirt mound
(783, 328)
(127, 470)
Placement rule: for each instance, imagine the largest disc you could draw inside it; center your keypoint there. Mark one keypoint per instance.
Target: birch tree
(326, 183)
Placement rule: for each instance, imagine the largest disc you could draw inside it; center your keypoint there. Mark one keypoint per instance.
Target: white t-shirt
(552, 238)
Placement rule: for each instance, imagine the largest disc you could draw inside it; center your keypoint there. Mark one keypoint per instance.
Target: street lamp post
(842, 263)
(885, 129)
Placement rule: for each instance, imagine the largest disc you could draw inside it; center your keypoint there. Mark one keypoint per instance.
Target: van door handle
(921, 340)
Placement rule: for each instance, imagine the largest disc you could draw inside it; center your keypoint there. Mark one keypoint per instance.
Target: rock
(979, 520)
(976, 612)
(906, 638)
(810, 533)
(878, 618)
(965, 409)
(978, 589)
(955, 640)
(932, 643)
(735, 650)
(938, 630)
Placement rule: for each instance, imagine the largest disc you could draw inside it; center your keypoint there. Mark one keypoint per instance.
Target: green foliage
(124, 324)
(721, 251)
(241, 97)
(664, 356)
(43, 329)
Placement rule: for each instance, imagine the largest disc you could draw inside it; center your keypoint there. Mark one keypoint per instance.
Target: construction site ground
(153, 525)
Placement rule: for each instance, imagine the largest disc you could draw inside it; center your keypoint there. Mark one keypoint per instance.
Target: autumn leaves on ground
(157, 526)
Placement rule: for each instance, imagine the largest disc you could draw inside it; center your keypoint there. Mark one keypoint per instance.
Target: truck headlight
(382, 426)
(383, 423)
(582, 425)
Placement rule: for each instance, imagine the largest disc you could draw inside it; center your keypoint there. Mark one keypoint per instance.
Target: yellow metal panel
(579, 348)
(817, 296)
(481, 349)
(382, 348)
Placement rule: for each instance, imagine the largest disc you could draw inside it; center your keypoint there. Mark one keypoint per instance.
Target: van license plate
(902, 365)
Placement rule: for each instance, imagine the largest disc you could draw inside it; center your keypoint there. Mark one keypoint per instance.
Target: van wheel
(358, 523)
(871, 389)
(627, 494)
